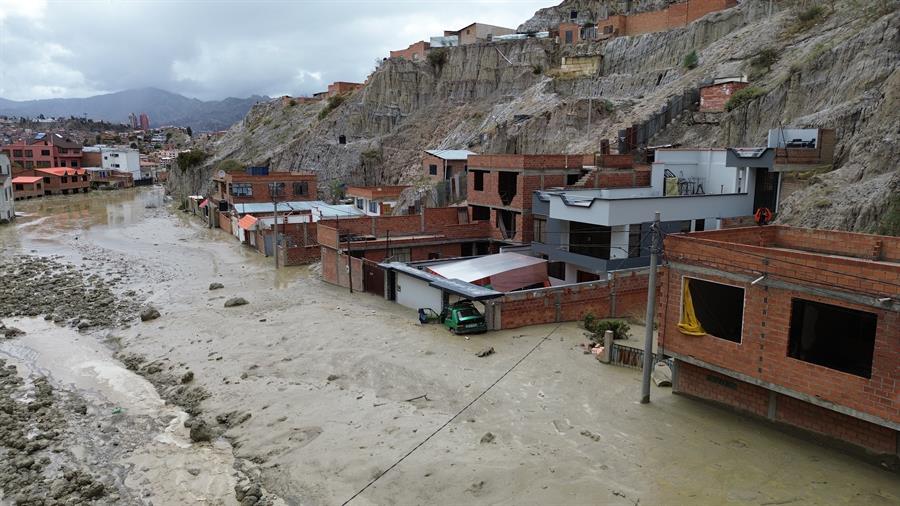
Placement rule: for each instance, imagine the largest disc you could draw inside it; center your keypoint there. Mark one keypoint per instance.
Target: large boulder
(236, 301)
(149, 313)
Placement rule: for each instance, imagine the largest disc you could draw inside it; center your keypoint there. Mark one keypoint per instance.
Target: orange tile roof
(63, 171)
(247, 222)
(26, 179)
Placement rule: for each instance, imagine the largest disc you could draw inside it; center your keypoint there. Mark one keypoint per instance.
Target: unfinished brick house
(415, 51)
(797, 326)
(375, 200)
(436, 233)
(715, 95)
(499, 188)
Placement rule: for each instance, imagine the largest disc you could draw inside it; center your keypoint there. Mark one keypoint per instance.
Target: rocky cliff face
(837, 71)
(586, 11)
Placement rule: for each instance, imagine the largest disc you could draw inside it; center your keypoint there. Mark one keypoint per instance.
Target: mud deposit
(307, 394)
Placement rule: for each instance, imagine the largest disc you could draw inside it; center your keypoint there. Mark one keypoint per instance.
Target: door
(373, 279)
(766, 190)
(268, 245)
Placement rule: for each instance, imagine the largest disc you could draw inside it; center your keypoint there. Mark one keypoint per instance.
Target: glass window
(45, 152)
(29, 153)
(432, 169)
(634, 240)
(301, 188)
(242, 190)
(540, 230)
(373, 207)
(276, 189)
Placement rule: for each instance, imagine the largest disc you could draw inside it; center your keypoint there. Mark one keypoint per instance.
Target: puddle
(165, 467)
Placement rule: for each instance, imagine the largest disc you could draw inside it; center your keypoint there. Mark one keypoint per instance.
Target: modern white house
(375, 200)
(586, 233)
(7, 200)
(123, 159)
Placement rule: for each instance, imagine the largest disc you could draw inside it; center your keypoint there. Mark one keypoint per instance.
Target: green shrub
(765, 58)
(598, 327)
(229, 165)
(890, 219)
(333, 103)
(691, 60)
(190, 159)
(292, 102)
(438, 57)
(810, 14)
(743, 96)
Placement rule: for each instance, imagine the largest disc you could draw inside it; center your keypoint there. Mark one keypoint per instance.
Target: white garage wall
(415, 293)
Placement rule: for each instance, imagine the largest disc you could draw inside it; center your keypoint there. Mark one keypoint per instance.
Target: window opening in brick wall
(301, 188)
(478, 184)
(506, 186)
(572, 179)
(276, 190)
(556, 270)
(481, 213)
(835, 337)
(712, 308)
(432, 169)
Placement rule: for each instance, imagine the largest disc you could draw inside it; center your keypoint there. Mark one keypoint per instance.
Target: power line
(454, 417)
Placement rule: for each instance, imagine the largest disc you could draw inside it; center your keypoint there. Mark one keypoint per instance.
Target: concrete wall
(415, 293)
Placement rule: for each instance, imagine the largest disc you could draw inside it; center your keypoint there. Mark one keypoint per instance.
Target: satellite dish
(221, 173)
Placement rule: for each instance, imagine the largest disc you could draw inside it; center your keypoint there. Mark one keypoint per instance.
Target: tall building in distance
(133, 120)
(145, 122)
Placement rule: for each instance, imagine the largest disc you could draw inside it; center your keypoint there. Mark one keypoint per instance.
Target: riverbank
(317, 394)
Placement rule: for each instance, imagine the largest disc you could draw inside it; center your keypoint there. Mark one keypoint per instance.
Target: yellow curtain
(689, 324)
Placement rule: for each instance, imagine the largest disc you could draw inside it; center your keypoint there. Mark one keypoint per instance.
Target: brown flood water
(566, 429)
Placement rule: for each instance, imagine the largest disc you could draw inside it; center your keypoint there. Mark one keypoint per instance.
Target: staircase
(583, 181)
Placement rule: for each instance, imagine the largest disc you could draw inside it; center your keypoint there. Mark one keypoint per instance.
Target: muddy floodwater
(312, 395)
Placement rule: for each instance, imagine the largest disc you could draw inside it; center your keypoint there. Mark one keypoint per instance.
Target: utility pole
(655, 247)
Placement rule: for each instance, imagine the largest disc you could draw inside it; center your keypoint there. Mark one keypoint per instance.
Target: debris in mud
(187, 377)
(34, 286)
(236, 301)
(216, 286)
(149, 314)
(333, 377)
(487, 438)
(476, 488)
(167, 384)
(485, 352)
(10, 332)
(233, 418)
(588, 434)
(200, 431)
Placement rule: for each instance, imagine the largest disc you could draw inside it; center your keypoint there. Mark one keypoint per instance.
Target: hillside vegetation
(810, 68)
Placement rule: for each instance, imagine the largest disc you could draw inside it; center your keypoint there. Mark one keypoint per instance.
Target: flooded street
(311, 395)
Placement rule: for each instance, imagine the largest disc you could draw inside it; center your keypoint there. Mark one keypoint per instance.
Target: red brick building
(342, 87)
(798, 326)
(43, 152)
(500, 188)
(375, 200)
(714, 96)
(27, 187)
(415, 52)
(436, 233)
(263, 186)
(443, 164)
(61, 180)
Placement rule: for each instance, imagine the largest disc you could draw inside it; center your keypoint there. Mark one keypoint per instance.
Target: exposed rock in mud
(149, 314)
(216, 286)
(170, 386)
(236, 301)
(10, 332)
(35, 286)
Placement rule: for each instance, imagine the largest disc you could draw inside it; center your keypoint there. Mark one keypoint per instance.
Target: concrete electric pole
(655, 247)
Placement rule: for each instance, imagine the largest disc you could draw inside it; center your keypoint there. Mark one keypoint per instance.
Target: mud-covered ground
(311, 395)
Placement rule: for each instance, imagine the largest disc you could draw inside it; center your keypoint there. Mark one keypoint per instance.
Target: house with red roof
(27, 187)
(61, 180)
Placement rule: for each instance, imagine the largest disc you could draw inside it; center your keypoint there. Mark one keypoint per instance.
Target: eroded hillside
(836, 70)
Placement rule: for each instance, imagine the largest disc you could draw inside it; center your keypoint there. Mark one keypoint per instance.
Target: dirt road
(309, 386)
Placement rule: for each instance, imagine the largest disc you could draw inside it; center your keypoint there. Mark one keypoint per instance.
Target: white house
(586, 233)
(7, 205)
(375, 200)
(124, 159)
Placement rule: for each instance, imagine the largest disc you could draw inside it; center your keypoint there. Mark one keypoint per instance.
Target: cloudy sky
(215, 49)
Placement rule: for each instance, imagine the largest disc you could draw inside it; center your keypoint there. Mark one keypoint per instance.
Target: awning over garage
(452, 286)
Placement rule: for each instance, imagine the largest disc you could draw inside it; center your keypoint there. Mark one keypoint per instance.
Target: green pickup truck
(460, 318)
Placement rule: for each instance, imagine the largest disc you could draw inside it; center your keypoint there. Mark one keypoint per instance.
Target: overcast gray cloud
(216, 49)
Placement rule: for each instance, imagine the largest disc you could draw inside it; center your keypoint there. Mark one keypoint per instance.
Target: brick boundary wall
(224, 221)
(697, 382)
(298, 255)
(625, 295)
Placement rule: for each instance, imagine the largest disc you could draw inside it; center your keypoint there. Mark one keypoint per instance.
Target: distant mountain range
(163, 107)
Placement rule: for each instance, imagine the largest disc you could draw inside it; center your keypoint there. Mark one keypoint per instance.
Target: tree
(691, 60)
(189, 132)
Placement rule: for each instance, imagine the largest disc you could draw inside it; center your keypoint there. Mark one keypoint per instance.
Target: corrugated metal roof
(450, 154)
(317, 206)
(454, 286)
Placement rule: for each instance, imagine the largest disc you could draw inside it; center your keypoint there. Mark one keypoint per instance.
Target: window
(400, 254)
(342, 139)
(434, 256)
(481, 213)
(19, 187)
(64, 179)
(634, 240)
(301, 188)
(43, 165)
(29, 153)
(29, 164)
(432, 170)
(572, 179)
(590, 240)
(242, 189)
(62, 163)
(45, 152)
(712, 308)
(17, 153)
(276, 189)
(63, 151)
(586, 277)
(569, 37)
(478, 184)
(573, 15)
(835, 337)
(540, 230)
(74, 163)
(360, 203)
(47, 180)
(556, 270)
(373, 207)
